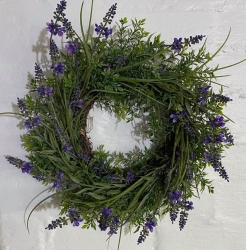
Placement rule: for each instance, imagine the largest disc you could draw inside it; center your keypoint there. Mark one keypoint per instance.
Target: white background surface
(218, 221)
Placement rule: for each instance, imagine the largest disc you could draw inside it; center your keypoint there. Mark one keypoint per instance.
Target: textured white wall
(218, 221)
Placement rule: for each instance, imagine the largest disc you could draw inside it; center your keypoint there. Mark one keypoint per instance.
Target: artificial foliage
(133, 74)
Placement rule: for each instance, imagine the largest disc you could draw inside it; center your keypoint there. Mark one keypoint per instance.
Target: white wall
(218, 221)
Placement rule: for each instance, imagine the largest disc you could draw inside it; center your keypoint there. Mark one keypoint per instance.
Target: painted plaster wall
(218, 221)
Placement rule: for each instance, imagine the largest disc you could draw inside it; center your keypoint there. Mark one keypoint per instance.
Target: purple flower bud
(174, 117)
(220, 138)
(207, 157)
(77, 221)
(150, 224)
(26, 167)
(36, 121)
(106, 211)
(66, 148)
(219, 121)
(207, 139)
(59, 68)
(204, 90)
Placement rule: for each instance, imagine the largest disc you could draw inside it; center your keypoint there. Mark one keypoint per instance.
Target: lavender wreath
(133, 74)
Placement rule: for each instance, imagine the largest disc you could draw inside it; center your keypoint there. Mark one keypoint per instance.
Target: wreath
(133, 74)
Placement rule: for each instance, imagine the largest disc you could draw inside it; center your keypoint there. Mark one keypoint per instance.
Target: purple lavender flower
(72, 212)
(201, 100)
(21, 104)
(174, 117)
(59, 68)
(98, 28)
(106, 212)
(193, 39)
(177, 44)
(72, 47)
(48, 90)
(220, 138)
(189, 205)
(79, 103)
(207, 139)
(36, 121)
(61, 7)
(28, 125)
(150, 224)
(57, 185)
(38, 72)
(59, 175)
(26, 167)
(54, 52)
(14, 160)
(60, 31)
(175, 197)
(129, 178)
(219, 121)
(113, 227)
(221, 98)
(52, 27)
(107, 32)
(77, 221)
(76, 104)
(204, 90)
(40, 91)
(66, 148)
(207, 157)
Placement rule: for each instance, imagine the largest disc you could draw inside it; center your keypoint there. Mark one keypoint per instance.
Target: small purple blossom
(72, 212)
(98, 28)
(189, 205)
(72, 47)
(207, 139)
(220, 138)
(106, 212)
(201, 100)
(219, 121)
(26, 167)
(55, 29)
(204, 90)
(48, 90)
(105, 31)
(174, 117)
(66, 148)
(207, 157)
(59, 68)
(129, 178)
(175, 197)
(78, 104)
(45, 90)
(59, 175)
(177, 44)
(28, 125)
(57, 185)
(77, 221)
(40, 91)
(36, 121)
(150, 224)
(113, 228)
